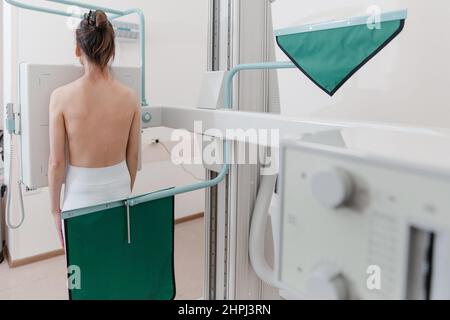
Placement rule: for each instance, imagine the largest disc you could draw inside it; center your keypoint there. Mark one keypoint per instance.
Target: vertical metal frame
(229, 205)
(210, 240)
(217, 198)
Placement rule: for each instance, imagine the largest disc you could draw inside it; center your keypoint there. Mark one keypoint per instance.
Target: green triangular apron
(330, 57)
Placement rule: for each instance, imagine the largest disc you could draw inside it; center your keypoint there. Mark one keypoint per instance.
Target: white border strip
(355, 21)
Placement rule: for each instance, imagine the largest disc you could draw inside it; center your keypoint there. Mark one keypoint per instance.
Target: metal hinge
(12, 120)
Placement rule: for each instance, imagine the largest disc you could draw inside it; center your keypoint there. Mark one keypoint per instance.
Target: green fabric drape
(112, 269)
(330, 57)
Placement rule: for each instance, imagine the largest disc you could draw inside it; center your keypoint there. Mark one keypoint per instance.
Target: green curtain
(330, 57)
(112, 269)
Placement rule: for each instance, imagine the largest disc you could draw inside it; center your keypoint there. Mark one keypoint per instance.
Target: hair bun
(96, 38)
(101, 20)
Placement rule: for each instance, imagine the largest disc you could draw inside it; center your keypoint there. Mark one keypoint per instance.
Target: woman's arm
(134, 142)
(57, 161)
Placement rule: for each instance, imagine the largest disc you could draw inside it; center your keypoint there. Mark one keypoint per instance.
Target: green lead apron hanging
(330, 53)
(109, 267)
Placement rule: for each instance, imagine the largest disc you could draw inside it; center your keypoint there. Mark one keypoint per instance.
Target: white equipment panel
(37, 82)
(359, 226)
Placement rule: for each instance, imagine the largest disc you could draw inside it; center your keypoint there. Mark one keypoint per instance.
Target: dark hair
(96, 37)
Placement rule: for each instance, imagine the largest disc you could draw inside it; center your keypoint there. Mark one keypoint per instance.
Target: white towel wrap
(87, 187)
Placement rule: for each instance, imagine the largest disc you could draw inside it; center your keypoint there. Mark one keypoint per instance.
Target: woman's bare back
(98, 118)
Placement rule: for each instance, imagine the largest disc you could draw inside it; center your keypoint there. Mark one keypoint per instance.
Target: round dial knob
(326, 283)
(332, 188)
(146, 117)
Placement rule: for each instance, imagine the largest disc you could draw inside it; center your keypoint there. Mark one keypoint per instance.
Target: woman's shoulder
(65, 90)
(126, 93)
(122, 89)
(61, 95)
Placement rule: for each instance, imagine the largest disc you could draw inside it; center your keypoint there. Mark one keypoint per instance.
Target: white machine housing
(37, 82)
(355, 225)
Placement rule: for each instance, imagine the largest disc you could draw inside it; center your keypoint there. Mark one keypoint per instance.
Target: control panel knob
(146, 117)
(332, 188)
(326, 283)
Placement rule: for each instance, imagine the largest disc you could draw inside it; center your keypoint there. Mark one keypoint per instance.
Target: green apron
(112, 269)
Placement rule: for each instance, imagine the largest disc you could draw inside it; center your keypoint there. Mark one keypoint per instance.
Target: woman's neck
(95, 73)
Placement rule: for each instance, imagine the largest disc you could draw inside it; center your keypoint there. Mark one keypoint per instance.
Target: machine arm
(252, 66)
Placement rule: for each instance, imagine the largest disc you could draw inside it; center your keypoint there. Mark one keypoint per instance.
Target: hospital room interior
(285, 150)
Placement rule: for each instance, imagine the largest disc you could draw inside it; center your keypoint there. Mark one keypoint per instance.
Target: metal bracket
(127, 203)
(12, 120)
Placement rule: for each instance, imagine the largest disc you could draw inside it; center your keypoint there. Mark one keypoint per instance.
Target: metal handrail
(228, 87)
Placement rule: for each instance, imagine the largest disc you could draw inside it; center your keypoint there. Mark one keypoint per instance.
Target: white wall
(176, 59)
(407, 82)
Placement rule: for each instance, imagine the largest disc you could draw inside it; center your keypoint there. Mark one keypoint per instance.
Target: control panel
(126, 30)
(359, 226)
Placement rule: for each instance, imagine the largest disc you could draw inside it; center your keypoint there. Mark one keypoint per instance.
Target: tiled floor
(46, 280)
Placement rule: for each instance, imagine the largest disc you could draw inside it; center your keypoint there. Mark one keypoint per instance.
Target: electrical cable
(181, 165)
(8, 216)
